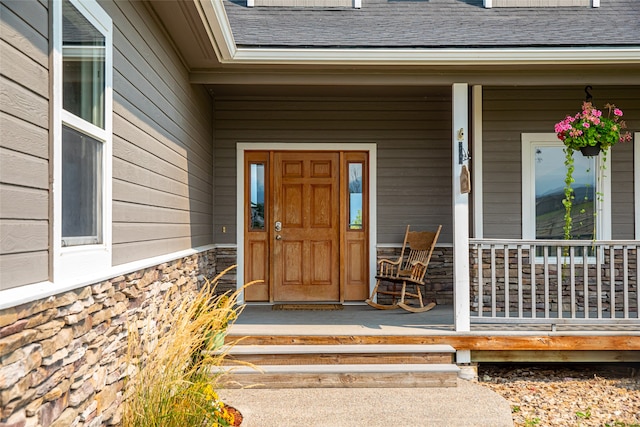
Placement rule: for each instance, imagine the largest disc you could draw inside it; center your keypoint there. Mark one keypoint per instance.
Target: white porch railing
(554, 281)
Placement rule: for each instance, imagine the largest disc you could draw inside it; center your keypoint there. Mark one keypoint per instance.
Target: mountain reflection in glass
(355, 196)
(257, 197)
(550, 173)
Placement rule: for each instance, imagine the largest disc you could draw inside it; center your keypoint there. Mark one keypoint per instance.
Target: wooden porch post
(460, 141)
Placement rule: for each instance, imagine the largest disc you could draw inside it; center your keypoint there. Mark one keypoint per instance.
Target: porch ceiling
(401, 81)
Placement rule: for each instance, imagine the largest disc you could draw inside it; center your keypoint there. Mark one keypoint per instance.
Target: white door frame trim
(241, 147)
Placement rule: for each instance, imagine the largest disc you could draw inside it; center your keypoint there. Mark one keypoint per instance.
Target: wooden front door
(306, 226)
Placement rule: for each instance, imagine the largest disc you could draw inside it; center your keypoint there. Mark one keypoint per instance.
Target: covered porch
(571, 301)
(506, 341)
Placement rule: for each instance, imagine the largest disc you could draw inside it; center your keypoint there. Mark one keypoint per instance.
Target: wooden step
(339, 376)
(338, 365)
(340, 354)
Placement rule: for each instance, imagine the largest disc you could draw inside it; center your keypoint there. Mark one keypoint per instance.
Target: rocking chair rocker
(409, 270)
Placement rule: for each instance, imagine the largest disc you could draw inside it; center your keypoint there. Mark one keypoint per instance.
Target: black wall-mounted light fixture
(588, 96)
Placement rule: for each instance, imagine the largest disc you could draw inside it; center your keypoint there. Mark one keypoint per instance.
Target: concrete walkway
(469, 404)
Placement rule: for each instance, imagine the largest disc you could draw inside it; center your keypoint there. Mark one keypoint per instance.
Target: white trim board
(241, 147)
(35, 291)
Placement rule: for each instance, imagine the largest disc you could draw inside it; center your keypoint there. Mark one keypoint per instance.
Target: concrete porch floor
(353, 320)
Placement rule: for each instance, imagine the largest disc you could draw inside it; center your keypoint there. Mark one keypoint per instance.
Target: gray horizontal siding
(509, 112)
(413, 163)
(162, 143)
(24, 145)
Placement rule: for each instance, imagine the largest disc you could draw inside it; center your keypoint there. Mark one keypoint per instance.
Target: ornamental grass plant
(169, 356)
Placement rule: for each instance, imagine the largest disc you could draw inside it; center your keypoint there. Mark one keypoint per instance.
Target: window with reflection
(550, 173)
(355, 196)
(83, 102)
(256, 196)
(83, 56)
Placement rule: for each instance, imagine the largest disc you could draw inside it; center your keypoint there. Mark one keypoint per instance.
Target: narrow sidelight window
(355, 196)
(256, 197)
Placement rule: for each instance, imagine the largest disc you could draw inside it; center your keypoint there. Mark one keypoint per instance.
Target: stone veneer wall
(63, 358)
(439, 274)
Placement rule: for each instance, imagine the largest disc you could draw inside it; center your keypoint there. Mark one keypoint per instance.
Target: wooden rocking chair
(409, 270)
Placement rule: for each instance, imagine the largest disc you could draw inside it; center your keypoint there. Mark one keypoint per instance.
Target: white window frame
(603, 185)
(77, 263)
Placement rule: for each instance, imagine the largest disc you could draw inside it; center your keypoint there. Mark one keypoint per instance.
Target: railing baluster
(559, 262)
(506, 281)
(493, 281)
(612, 280)
(625, 281)
(520, 285)
(534, 296)
(572, 281)
(480, 281)
(545, 250)
(585, 276)
(599, 281)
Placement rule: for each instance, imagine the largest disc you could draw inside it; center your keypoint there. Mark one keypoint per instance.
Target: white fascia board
(478, 56)
(216, 22)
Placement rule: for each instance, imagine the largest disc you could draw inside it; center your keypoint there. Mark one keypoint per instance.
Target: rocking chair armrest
(418, 263)
(388, 261)
(418, 270)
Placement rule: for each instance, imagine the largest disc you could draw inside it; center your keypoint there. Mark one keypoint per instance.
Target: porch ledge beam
(474, 341)
(444, 76)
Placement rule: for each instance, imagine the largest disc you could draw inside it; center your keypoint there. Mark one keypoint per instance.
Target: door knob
(278, 237)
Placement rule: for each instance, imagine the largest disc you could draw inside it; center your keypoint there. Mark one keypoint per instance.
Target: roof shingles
(435, 24)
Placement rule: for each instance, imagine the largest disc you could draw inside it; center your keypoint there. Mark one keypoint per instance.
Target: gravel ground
(567, 395)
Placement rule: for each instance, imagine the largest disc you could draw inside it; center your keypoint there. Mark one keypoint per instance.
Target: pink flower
(586, 124)
(617, 112)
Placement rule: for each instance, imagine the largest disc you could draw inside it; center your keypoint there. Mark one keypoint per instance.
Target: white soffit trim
(216, 21)
(218, 28)
(465, 56)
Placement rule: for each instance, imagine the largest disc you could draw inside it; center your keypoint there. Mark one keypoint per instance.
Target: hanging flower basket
(591, 150)
(590, 132)
(589, 128)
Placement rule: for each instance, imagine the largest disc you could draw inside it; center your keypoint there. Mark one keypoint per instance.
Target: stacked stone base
(63, 358)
